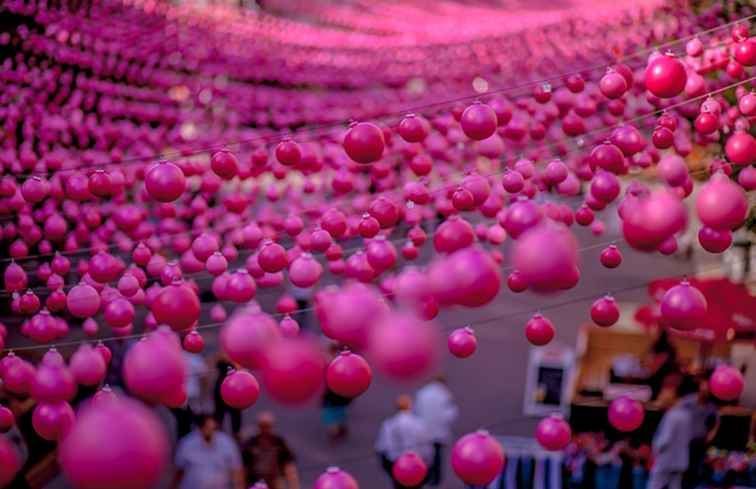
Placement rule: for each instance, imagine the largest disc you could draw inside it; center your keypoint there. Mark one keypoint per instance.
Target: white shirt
(435, 405)
(207, 466)
(404, 432)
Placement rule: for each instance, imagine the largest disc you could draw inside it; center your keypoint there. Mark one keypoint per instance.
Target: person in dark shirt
(267, 457)
(662, 362)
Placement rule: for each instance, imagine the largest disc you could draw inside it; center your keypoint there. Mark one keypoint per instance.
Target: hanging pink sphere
(516, 283)
(478, 186)
(305, 271)
(520, 217)
(118, 313)
(553, 433)
(605, 312)
(272, 258)
(193, 342)
(176, 305)
(726, 383)
(335, 478)
(741, 148)
(154, 368)
(613, 85)
(348, 375)
(241, 287)
(128, 285)
(7, 420)
(673, 170)
(548, 272)
(539, 330)
(611, 257)
(347, 314)
(413, 128)
(294, 371)
(289, 327)
(165, 182)
(216, 264)
(609, 157)
(364, 143)
(15, 278)
(721, 203)
(462, 342)
(53, 420)
(478, 121)
(476, 278)
(240, 389)
(745, 52)
(477, 458)
(605, 186)
(18, 375)
(90, 460)
(512, 181)
(714, 241)
(82, 301)
(247, 338)
(87, 366)
(409, 469)
(665, 77)
(403, 346)
(381, 254)
(683, 307)
(651, 220)
(747, 104)
(453, 234)
(53, 382)
(224, 164)
(626, 414)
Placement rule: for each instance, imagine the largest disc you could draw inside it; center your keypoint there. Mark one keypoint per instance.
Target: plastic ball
(683, 307)
(176, 305)
(240, 389)
(335, 478)
(294, 371)
(165, 182)
(409, 469)
(553, 433)
(348, 375)
(402, 346)
(721, 203)
(665, 77)
(364, 143)
(539, 330)
(462, 342)
(626, 414)
(726, 383)
(477, 458)
(82, 301)
(604, 312)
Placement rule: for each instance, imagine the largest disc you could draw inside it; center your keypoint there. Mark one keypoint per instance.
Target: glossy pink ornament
(673, 170)
(478, 121)
(549, 272)
(247, 338)
(604, 311)
(364, 143)
(241, 287)
(683, 307)
(10, 461)
(553, 433)
(53, 420)
(7, 420)
(272, 257)
(726, 383)
(477, 458)
(539, 330)
(335, 478)
(82, 301)
(240, 389)
(611, 257)
(665, 77)
(348, 375)
(53, 380)
(88, 366)
(605, 186)
(713, 240)
(613, 85)
(165, 182)
(652, 219)
(176, 305)
(402, 346)
(118, 313)
(154, 368)
(520, 217)
(626, 414)
(413, 128)
(453, 234)
(409, 469)
(224, 164)
(193, 342)
(462, 342)
(90, 460)
(305, 271)
(294, 371)
(741, 148)
(721, 204)
(347, 314)
(476, 278)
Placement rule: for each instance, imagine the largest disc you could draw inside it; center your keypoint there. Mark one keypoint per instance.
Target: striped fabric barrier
(528, 466)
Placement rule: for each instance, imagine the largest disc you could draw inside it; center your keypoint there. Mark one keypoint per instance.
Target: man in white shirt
(435, 405)
(403, 432)
(208, 459)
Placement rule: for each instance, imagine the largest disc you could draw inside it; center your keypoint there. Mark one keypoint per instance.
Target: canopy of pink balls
(151, 152)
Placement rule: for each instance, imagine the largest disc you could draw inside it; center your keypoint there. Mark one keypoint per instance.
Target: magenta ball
(626, 414)
(247, 338)
(683, 307)
(154, 368)
(713, 240)
(165, 182)
(294, 371)
(665, 77)
(348, 375)
(741, 148)
(176, 305)
(409, 469)
(53, 420)
(478, 121)
(348, 313)
(468, 277)
(726, 383)
(477, 458)
(546, 272)
(335, 478)
(604, 312)
(10, 461)
(462, 342)
(403, 346)
(240, 389)
(539, 330)
(83, 301)
(87, 366)
(721, 203)
(364, 143)
(90, 460)
(553, 433)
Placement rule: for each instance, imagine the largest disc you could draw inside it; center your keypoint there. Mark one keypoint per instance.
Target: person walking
(671, 442)
(208, 459)
(704, 426)
(434, 404)
(403, 432)
(268, 458)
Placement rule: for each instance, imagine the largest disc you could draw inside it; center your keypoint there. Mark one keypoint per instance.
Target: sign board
(548, 380)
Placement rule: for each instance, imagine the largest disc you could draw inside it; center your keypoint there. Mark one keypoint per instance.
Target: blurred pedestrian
(434, 404)
(208, 459)
(671, 441)
(267, 457)
(403, 432)
(196, 385)
(223, 365)
(705, 423)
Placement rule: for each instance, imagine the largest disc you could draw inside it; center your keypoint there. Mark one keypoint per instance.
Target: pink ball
(462, 342)
(154, 368)
(53, 382)
(240, 389)
(224, 164)
(553, 433)
(741, 148)
(626, 414)
(335, 478)
(721, 204)
(546, 272)
(477, 458)
(649, 221)
(520, 217)
(272, 257)
(305, 271)
(605, 186)
(53, 420)
(247, 338)
(683, 307)
(241, 287)
(88, 366)
(294, 371)
(403, 346)
(468, 277)
(83, 301)
(539, 330)
(478, 121)
(118, 313)
(193, 342)
(714, 241)
(604, 311)
(10, 462)
(409, 469)
(348, 375)
(176, 305)
(364, 143)
(673, 170)
(18, 375)
(347, 314)
(665, 77)
(453, 234)
(726, 383)
(90, 460)
(165, 182)
(7, 420)
(611, 257)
